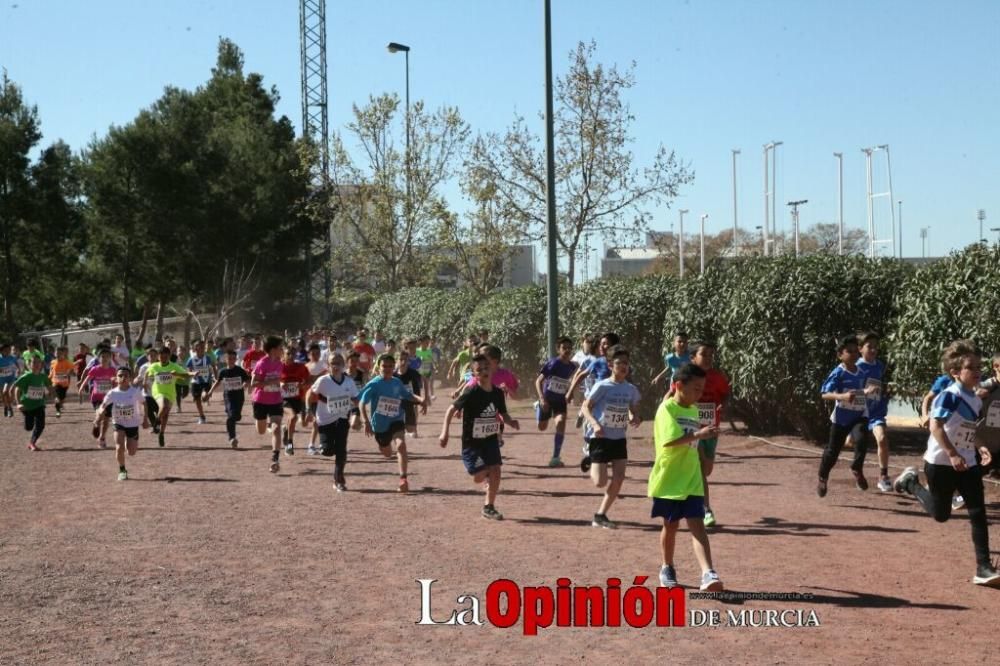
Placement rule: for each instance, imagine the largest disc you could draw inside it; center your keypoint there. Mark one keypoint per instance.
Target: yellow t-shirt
(676, 472)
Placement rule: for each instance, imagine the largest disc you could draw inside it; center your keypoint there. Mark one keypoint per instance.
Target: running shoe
(536, 407)
(601, 520)
(710, 582)
(885, 484)
(668, 577)
(104, 443)
(579, 421)
(275, 466)
(709, 518)
(234, 442)
(586, 449)
(556, 462)
(123, 475)
(585, 464)
(311, 450)
(202, 420)
(96, 431)
(821, 487)
(58, 413)
(33, 447)
(859, 479)
(986, 575)
(490, 513)
(289, 449)
(957, 502)
(161, 440)
(404, 486)
(156, 428)
(340, 486)
(903, 480)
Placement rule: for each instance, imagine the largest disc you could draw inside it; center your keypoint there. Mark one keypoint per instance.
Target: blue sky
(920, 76)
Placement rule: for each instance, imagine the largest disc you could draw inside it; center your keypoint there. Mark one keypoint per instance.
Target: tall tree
(599, 187)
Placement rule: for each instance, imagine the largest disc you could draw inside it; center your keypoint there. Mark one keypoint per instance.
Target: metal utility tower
(315, 126)
(873, 240)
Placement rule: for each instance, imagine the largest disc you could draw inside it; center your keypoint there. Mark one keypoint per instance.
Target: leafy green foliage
(515, 319)
(414, 311)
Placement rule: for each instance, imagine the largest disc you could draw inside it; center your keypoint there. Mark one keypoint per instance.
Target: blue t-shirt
(558, 374)
(846, 413)
(878, 404)
(8, 369)
(941, 383)
(385, 400)
(611, 404)
(203, 366)
(674, 362)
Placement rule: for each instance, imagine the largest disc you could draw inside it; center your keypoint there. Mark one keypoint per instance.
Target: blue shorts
(673, 510)
(877, 421)
(479, 458)
(4, 381)
(556, 407)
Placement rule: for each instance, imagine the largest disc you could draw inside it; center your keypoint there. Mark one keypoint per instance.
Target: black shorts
(294, 404)
(410, 413)
(130, 433)
(333, 437)
(606, 450)
(384, 439)
(262, 411)
(182, 391)
(198, 389)
(478, 458)
(61, 392)
(555, 407)
(233, 402)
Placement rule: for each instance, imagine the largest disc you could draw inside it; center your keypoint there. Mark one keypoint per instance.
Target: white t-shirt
(318, 368)
(379, 346)
(338, 398)
(959, 409)
(120, 356)
(126, 406)
(141, 372)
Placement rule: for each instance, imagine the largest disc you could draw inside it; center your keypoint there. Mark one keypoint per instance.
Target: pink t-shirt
(101, 381)
(270, 372)
(502, 378)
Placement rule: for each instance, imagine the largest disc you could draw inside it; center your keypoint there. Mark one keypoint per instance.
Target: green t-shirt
(27, 354)
(676, 471)
(34, 388)
(164, 380)
(426, 357)
(136, 353)
(463, 357)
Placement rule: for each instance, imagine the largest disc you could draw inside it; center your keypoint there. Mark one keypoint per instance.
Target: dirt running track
(203, 557)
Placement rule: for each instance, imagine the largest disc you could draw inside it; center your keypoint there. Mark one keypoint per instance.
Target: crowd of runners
(319, 387)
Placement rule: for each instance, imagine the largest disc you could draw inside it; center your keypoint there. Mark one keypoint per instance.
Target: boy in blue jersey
(950, 461)
(201, 366)
(8, 373)
(552, 387)
(675, 359)
(381, 404)
(878, 405)
(611, 405)
(594, 369)
(845, 386)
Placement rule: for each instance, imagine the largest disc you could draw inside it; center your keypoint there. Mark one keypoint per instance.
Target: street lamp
(761, 230)
(395, 47)
(981, 216)
(795, 221)
(704, 216)
(770, 211)
(923, 240)
(840, 203)
(680, 242)
(899, 204)
(736, 151)
(996, 229)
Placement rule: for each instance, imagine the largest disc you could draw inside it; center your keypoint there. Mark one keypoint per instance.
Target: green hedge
(515, 319)
(414, 311)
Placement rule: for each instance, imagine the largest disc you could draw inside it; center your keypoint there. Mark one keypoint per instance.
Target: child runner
(384, 396)
(950, 459)
(426, 356)
(480, 407)
(675, 482)
(162, 378)
(254, 354)
(8, 373)
(598, 368)
(126, 404)
(500, 377)
(30, 391)
(62, 369)
(457, 367)
(675, 359)
(334, 394)
(142, 366)
(267, 407)
(101, 378)
(878, 405)
(551, 386)
(845, 386)
(234, 380)
(366, 353)
(318, 367)
(203, 371)
(360, 378)
(294, 383)
(610, 406)
(413, 382)
(709, 413)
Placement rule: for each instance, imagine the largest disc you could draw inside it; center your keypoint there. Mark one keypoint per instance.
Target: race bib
(164, 378)
(290, 390)
(232, 384)
(204, 374)
(485, 427)
(615, 417)
(993, 415)
(558, 385)
(706, 413)
(124, 412)
(388, 407)
(856, 403)
(339, 408)
(877, 395)
(965, 438)
(35, 393)
(272, 387)
(102, 385)
(62, 376)
(8, 370)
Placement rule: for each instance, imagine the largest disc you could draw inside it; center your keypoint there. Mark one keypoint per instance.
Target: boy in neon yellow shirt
(161, 381)
(675, 482)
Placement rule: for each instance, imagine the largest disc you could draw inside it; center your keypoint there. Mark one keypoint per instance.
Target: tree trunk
(187, 328)
(145, 321)
(159, 321)
(571, 270)
(126, 329)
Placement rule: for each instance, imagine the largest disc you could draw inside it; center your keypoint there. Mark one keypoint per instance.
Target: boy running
(62, 369)
(426, 356)
(162, 378)
(203, 371)
(30, 391)
(267, 401)
(317, 367)
(294, 382)
(552, 385)
(609, 408)
(414, 383)
(675, 482)
(334, 395)
(950, 459)
(480, 407)
(8, 373)
(675, 359)
(126, 404)
(381, 404)
(234, 380)
(878, 405)
(101, 378)
(709, 413)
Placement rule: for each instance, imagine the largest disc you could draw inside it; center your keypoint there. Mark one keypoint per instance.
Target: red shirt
(717, 389)
(252, 357)
(294, 380)
(367, 353)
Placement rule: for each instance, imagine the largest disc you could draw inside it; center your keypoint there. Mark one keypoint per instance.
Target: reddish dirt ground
(205, 557)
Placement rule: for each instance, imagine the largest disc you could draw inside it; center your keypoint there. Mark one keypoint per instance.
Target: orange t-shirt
(60, 372)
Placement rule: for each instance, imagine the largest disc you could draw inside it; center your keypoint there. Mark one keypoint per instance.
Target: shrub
(414, 311)
(515, 319)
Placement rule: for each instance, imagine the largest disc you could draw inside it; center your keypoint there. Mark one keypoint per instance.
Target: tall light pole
(395, 47)
(736, 152)
(550, 189)
(840, 203)
(996, 229)
(899, 204)
(770, 204)
(795, 221)
(761, 230)
(923, 241)
(680, 242)
(704, 216)
(981, 216)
